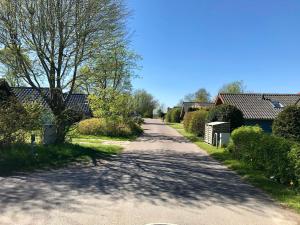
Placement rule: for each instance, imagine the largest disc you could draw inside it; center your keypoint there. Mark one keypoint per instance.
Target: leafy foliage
(266, 152)
(108, 127)
(12, 120)
(235, 87)
(194, 122)
(17, 120)
(112, 68)
(202, 95)
(144, 103)
(173, 115)
(226, 113)
(294, 157)
(287, 123)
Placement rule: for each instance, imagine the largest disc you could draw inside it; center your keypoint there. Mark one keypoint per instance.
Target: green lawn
(24, 158)
(284, 195)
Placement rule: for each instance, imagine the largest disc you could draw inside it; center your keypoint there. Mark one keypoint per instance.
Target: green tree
(144, 103)
(287, 123)
(51, 41)
(235, 87)
(111, 68)
(202, 95)
(110, 104)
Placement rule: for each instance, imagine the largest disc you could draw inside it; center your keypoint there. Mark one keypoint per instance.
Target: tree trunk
(58, 109)
(60, 129)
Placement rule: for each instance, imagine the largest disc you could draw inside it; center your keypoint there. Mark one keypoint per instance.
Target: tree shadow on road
(156, 176)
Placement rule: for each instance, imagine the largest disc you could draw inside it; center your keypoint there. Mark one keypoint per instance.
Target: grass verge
(284, 195)
(25, 158)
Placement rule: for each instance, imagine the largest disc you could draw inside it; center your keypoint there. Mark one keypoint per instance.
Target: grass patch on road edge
(284, 195)
(22, 157)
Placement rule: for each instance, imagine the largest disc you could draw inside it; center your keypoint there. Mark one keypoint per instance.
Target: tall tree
(111, 68)
(235, 87)
(144, 103)
(202, 95)
(50, 40)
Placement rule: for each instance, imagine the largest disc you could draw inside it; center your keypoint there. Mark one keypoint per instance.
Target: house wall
(266, 125)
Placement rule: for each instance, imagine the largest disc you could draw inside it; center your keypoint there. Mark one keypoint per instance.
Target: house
(191, 106)
(260, 109)
(77, 102)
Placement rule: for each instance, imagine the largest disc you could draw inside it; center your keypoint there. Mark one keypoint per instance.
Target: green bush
(187, 121)
(244, 142)
(263, 151)
(275, 162)
(294, 157)
(12, 122)
(92, 126)
(108, 127)
(168, 116)
(194, 122)
(287, 123)
(173, 115)
(226, 113)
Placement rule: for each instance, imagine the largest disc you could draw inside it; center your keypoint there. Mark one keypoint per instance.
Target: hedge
(99, 126)
(194, 122)
(278, 157)
(173, 115)
(226, 113)
(287, 123)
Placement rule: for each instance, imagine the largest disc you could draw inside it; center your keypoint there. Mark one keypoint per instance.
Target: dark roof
(259, 106)
(28, 94)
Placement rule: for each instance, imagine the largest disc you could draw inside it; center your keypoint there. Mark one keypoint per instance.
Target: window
(277, 104)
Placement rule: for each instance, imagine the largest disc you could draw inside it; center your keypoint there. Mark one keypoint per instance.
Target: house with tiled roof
(191, 106)
(77, 102)
(257, 108)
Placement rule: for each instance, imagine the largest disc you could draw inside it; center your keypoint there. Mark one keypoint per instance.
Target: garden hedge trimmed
(278, 157)
(173, 115)
(194, 122)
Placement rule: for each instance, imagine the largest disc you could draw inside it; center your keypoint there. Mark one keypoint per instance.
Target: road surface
(160, 178)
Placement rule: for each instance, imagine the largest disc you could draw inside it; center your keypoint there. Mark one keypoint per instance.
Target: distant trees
(235, 87)
(201, 95)
(144, 103)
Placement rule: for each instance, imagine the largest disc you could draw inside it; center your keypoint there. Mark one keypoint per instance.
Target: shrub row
(278, 157)
(173, 115)
(194, 122)
(226, 113)
(109, 127)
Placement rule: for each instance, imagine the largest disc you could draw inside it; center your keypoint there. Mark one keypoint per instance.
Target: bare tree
(51, 39)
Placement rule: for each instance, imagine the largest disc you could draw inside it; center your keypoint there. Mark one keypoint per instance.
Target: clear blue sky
(189, 44)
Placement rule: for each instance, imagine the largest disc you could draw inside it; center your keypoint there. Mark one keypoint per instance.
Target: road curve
(160, 178)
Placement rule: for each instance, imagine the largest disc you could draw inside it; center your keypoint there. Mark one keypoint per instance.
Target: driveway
(160, 178)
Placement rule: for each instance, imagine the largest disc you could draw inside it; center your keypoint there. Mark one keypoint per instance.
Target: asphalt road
(160, 178)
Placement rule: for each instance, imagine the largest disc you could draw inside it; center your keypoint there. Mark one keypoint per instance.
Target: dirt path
(160, 178)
